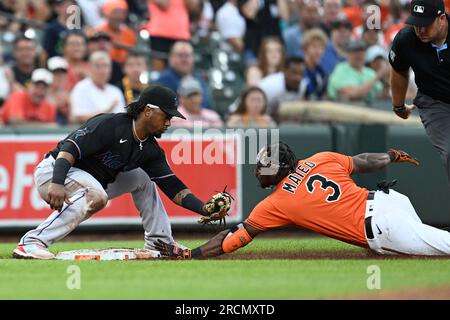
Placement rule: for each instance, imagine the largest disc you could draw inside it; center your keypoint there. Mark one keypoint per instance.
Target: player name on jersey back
(297, 176)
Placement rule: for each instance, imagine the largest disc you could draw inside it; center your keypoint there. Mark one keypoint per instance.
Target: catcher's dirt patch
(437, 293)
(315, 255)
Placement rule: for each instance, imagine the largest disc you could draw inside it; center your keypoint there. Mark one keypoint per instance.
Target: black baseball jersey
(106, 146)
(431, 66)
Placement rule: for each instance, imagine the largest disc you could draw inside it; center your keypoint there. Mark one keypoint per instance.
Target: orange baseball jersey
(126, 37)
(320, 196)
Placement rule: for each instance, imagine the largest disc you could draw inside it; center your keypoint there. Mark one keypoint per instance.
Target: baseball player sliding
(113, 154)
(318, 194)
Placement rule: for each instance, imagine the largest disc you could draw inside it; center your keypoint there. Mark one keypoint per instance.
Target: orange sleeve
(345, 161)
(265, 216)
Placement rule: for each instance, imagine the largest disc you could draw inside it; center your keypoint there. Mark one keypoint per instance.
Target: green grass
(214, 279)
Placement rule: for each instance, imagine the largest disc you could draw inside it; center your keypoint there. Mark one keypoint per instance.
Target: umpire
(423, 46)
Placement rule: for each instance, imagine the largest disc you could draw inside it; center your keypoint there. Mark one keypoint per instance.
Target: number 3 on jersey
(324, 185)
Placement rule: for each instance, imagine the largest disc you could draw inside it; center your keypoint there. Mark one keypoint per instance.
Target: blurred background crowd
(232, 62)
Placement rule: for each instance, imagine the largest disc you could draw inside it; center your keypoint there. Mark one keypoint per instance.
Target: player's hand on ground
(57, 196)
(172, 251)
(401, 156)
(404, 113)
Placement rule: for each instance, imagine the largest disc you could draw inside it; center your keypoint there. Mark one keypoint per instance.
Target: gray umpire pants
(435, 116)
(59, 224)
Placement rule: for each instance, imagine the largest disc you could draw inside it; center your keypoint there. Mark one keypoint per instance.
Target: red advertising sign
(204, 165)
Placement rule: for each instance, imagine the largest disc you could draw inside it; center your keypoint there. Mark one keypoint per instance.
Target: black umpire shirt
(431, 66)
(106, 146)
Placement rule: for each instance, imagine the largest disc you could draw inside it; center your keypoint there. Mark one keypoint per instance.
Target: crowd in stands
(232, 62)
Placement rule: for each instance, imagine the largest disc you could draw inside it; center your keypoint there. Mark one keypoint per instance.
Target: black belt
(368, 221)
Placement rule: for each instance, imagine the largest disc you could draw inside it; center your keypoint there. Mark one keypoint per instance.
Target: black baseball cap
(162, 97)
(424, 12)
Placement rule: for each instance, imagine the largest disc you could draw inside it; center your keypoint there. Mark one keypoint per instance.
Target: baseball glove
(401, 156)
(217, 208)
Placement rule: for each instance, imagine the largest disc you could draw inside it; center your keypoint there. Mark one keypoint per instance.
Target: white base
(108, 254)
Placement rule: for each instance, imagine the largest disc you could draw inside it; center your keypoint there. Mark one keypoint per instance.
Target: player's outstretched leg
(146, 198)
(398, 229)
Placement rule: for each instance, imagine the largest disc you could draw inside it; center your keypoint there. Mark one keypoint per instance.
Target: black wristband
(399, 108)
(62, 166)
(193, 203)
(196, 253)
(391, 155)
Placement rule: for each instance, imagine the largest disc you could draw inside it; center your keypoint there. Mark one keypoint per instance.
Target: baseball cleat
(32, 251)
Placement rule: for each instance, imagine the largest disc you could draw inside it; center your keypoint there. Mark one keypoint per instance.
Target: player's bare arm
(57, 194)
(399, 85)
(370, 162)
(226, 241)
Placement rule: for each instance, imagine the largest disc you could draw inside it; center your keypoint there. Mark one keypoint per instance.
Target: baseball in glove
(401, 156)
(217, 207)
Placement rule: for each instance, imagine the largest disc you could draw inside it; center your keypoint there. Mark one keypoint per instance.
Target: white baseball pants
(59, 224)
(396, 228)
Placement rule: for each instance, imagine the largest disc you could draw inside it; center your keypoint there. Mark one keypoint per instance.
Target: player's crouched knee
(96, 200)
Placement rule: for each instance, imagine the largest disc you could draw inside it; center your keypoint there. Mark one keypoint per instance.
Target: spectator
(74, 48)
(372, 37)
(6, 80)
(262, 19)
(94, 94)
(30, 106)
(91, 11)
(55, 30)
(169, 23)
(123, 37)
(138, 10)
(251, 111)
(354, 12)
(335, 52)
(25, 55)
(201, 20)
(181, 64)
(293, 36)
(231, 26)
(101, 41)
(58, 94)
(352, 80)
(286, 85)
(314, 44)
(270, 60)
(37, 10)
(136, 77)
(391, 31)
(14, 8)
(332, 12)
(191, 96)
(376, 59)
